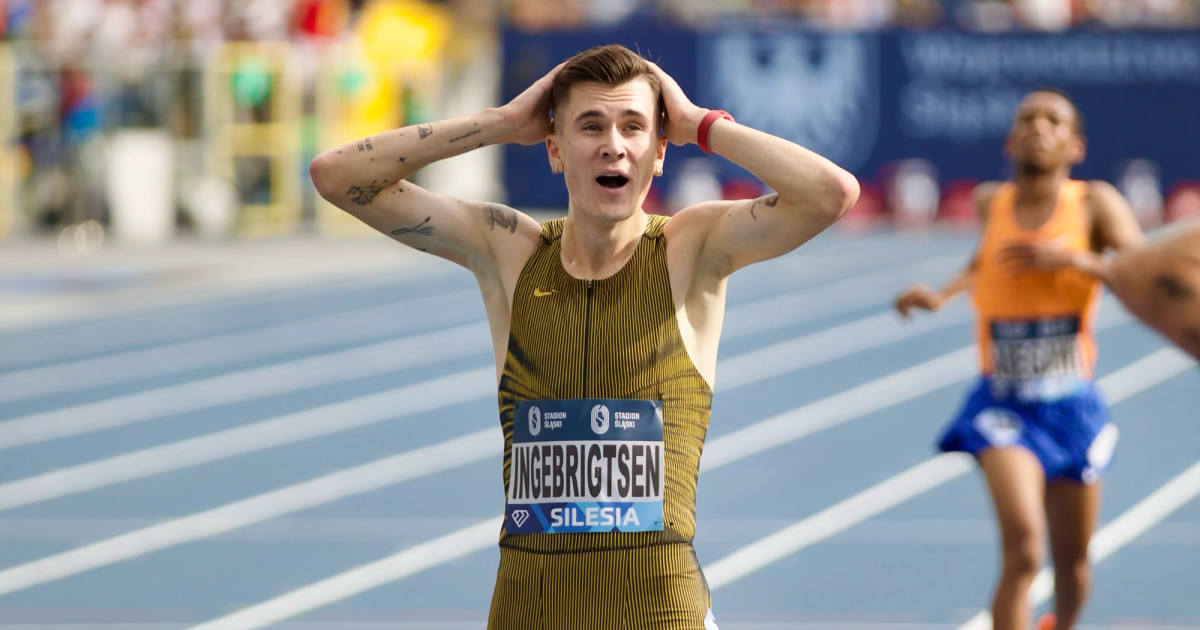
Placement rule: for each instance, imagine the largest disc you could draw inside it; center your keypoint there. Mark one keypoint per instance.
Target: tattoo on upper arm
(770, 201)
(425, 130)
(401, 160)
(466, 135)
(365, 145)
(500, 215)
(1173, 288)
(364, 195)
(421, 229)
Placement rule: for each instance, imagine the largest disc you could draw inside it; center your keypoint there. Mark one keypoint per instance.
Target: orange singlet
(1035, 327)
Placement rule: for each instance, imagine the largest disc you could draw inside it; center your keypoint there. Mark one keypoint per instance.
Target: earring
(658, 171)
(554, 170)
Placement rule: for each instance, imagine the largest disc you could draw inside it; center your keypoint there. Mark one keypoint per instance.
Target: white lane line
(1164, 364)
(287, 429)
(235, 387)
(831, 343)
(401, 565)
(765, 551)
(787, 309)
(745, 369)
(324, 331)
(853, 403)
(365, 478)
(729, 449)
(119, 328)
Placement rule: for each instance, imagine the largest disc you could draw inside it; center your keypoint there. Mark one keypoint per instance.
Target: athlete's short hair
(610, 65)
(1080, 127)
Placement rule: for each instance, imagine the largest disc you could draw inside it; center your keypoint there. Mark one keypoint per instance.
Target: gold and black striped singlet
(615, 338)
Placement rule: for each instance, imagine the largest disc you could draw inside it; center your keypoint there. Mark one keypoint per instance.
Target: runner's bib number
(1036, 360)
(586, 465)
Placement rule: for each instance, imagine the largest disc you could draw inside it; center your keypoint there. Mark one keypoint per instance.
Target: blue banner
(869, 100)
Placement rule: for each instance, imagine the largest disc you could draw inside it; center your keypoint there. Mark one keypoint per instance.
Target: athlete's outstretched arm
(811, 192)
(1113, 227)
(367, 178)
(1160, 284)
(919, 296)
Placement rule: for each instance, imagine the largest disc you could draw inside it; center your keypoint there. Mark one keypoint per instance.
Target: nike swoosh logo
(541, 293)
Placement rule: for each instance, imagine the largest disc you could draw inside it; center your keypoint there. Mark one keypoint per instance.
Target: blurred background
(149, 120)
(224, 402)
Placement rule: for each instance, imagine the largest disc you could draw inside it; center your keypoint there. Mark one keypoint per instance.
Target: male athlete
(605, 324)
(1035, 421)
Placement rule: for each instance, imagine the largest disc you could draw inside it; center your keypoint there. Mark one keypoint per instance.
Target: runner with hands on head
(605, 323)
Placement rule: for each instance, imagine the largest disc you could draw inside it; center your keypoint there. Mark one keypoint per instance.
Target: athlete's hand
(525, 117)
(1039, 255)
(683, 116)
(918, 296)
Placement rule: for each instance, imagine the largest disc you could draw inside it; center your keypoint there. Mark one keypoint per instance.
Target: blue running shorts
(1072, 436)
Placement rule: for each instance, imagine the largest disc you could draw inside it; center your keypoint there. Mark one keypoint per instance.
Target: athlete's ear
(1077, 149)
(554, 152)
(660, 155)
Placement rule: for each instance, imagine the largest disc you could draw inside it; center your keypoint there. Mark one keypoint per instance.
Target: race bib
(586, 465)
(1036, 359)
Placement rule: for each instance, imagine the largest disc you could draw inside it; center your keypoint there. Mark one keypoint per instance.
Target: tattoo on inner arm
(365, 145)
(421, 229)
(425, 130)
(771, 200)
(364, 195)
(465, 135)
(401, 160)
(500, 215)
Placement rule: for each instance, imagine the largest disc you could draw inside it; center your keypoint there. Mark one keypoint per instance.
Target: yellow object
(9, 156)
(398, 48)
(403, 31)
(234, 132)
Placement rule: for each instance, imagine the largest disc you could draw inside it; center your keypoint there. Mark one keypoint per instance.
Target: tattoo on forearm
(466, 135)
(771, 200)
(364, 195)
(365, 145)
(401, 160)
(422, 229)
(500, 215)
(425, 130)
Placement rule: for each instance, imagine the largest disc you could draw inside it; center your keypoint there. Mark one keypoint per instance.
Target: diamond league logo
(600, 419)
(535, 421)
(519, 517)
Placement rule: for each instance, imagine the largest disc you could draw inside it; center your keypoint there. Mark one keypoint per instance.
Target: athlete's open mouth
(612, 181)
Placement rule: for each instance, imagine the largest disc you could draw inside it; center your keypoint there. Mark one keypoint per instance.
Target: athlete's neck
(595, 249)
(1038, 188)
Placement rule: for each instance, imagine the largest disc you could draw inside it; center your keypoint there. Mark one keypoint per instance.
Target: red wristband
(706, 126)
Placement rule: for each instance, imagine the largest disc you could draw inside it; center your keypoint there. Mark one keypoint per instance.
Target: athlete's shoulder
(1102, 195)
(1113, 223)
(511, 236)
(982, 198)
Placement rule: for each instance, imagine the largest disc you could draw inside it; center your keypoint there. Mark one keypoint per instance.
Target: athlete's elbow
(322, 170)
(840, 194)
